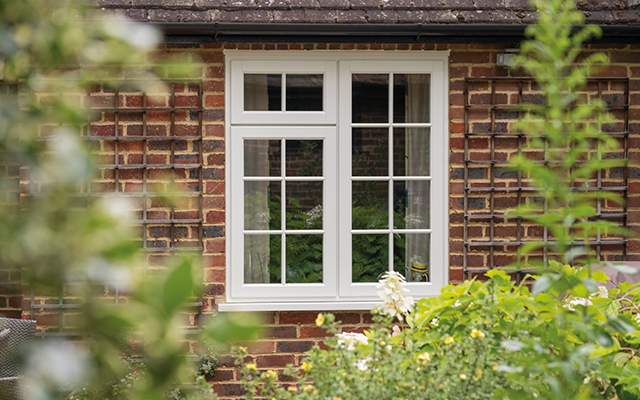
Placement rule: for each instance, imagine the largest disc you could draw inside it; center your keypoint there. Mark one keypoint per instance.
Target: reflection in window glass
(411, 256)
(304, 205)
(262, 258)
(262, 92)
(262, 158)
(304, 258)
(370, 254)
(370, 205)
(304, 158)
(261, 205)
(370, 152)
(370, 98)
(411, 148)
(411, 204)
(304, 92)
(411, 98)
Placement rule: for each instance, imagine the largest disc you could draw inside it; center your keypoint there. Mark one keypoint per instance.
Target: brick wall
(291, 333)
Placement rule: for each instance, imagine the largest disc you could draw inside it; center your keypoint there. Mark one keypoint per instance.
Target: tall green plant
(568, 130)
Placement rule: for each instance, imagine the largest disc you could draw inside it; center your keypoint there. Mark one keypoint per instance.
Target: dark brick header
(358, 11)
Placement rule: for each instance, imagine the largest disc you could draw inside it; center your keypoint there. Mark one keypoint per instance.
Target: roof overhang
(229, 32)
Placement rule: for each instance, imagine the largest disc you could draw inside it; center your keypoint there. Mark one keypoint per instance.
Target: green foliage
(569, 128)
(382, 365)
(51, 56)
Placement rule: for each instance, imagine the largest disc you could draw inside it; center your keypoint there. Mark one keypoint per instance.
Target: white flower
(351, 339)
(434, 322)
(394, 302)
(577, 301)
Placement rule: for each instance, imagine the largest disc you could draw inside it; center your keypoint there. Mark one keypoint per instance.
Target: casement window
(336, 173)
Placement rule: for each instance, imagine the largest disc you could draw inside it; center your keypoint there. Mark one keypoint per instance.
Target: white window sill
(299, 306)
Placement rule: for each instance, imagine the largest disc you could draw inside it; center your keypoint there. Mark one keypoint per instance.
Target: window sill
(299, 306)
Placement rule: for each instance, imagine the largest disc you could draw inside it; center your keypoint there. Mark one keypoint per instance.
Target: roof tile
(350, 16)
(293, 15)
(179, 15)
(358, 11)
(382, 16)
(320, 16)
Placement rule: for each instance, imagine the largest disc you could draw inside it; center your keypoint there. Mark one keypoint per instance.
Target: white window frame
(333, 125)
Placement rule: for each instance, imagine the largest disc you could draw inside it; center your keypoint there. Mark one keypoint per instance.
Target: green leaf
(178, 287)
(542, 284)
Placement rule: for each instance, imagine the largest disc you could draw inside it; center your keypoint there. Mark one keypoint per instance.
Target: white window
(336, 173)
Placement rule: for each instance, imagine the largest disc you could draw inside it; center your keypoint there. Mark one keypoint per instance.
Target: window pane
(370, 255)
(261, 205)
(411, 256)
(304, 157)
(262, 92)
(262, 258)
(411, 98)
(370, 205)
(304, 258)
(262, 158)
(304, 92)
(411, 204)
(370, 152)
(304, 205)
(370, 98)
(411, 148)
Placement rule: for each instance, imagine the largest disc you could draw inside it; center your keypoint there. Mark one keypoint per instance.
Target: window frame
(339, 293)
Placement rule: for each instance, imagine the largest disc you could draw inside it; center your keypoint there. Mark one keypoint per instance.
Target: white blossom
(351, 339)
(394, 302)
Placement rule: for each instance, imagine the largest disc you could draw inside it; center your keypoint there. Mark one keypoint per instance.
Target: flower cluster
(394, 302)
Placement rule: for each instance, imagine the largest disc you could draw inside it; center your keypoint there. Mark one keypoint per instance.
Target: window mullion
(283, 210)
(390, 171)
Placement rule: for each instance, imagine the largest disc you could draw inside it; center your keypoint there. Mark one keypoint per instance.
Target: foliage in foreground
(58, 240)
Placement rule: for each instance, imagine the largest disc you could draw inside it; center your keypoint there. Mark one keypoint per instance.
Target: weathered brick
(294, 346)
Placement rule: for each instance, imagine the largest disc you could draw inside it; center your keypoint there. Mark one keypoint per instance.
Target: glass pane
(370, 151)
(262, 92)
(261, 205)
(304, 92)
(370, 98)
(370, 255)
(411, 151)
(262, 258)
(411, 204)
(411, 98)
(370, 205)
(304, 205)
(304, 258)
(304, 157)
(411, 256)
(262, 158)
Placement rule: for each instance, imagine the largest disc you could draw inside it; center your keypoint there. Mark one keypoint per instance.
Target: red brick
(469, 57)
(215, 275)
(213, 202)
(215, 217)
(281, 332)
(214, 260)
(213, 86)
(214, 130)
(213, 57)
(214, 101)
(298, 317)
(312, 332)
(214, 246)
(455, 275)
(276, 360)
(458, 72)
(294, 346)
